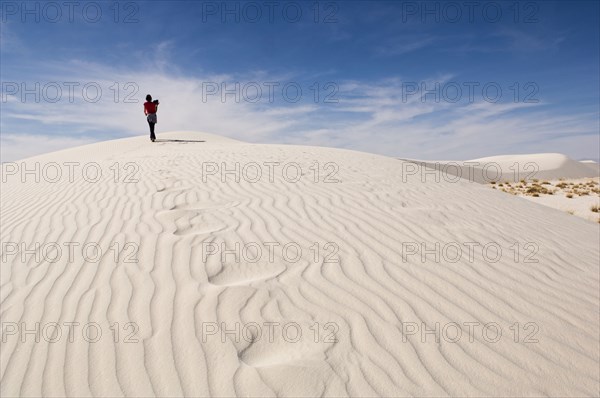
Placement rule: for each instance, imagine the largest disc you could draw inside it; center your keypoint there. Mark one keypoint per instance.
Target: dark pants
(152, 136)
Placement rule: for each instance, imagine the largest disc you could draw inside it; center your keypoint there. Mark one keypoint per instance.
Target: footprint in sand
(289, 343)
(183, 222)
(237, 274)
(172, 188)
(170, 183)
(203, 206)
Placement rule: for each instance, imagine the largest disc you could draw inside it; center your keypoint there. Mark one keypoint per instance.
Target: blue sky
(361, 67)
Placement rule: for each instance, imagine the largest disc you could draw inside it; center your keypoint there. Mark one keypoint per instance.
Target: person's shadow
(184, 141)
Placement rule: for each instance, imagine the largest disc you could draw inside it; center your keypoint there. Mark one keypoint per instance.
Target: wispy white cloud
(183, 105)
(521, 40)
(23, 145)
(405, 44)
(373, 117)
(9, 41)
(504, 39)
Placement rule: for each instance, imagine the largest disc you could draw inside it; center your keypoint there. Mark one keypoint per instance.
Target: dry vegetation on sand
(563, 190)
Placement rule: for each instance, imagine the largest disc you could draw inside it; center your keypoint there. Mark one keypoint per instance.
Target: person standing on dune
(150, 109)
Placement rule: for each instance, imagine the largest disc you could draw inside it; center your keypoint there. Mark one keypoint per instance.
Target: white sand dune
(356, 303)
(542, 166)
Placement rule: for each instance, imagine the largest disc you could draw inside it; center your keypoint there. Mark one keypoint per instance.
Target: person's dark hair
(148, 98)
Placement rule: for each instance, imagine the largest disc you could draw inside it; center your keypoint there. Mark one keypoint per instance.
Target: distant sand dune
(354, 301)
(543, 166)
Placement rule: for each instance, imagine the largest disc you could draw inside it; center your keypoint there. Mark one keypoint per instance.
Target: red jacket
(149, 107)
